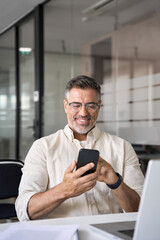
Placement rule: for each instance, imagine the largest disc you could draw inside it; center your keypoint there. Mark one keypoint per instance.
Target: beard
(82, 129)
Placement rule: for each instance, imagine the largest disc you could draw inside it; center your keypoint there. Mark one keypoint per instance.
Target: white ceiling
(13, 10)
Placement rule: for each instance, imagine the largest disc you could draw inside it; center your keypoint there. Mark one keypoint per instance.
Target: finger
(100, 161)
(79, 172)
(71, 167)
(89, 177)
(98, 166)
(88, 185)
(84, 188)
(103, 162)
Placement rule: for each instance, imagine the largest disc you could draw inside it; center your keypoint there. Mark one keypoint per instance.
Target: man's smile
(84, 121)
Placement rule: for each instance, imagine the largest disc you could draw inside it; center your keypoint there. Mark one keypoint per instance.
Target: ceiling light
(96, 6)
(99, 8)
(25, 50)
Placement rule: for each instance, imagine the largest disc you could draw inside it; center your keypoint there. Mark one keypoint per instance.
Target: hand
(105, 172)
(74, 184)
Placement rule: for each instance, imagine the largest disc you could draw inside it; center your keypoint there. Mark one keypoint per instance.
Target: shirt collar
(93, 134)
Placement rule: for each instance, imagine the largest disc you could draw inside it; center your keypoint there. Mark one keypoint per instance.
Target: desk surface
(85, 233)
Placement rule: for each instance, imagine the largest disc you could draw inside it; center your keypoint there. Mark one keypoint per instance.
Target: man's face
(82, 119)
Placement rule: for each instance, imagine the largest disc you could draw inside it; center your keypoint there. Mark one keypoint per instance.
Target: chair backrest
(10, 176)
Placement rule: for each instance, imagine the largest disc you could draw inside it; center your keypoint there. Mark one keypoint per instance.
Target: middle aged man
(50, 185)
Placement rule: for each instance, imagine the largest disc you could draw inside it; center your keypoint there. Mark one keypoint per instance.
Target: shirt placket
(90, 194)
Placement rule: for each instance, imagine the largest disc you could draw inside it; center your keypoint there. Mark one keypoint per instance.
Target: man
(51, 187)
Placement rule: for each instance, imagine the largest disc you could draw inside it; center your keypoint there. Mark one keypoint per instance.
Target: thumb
(71, 167)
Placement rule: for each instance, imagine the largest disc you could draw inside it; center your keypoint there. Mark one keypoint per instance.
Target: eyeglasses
(90, 106)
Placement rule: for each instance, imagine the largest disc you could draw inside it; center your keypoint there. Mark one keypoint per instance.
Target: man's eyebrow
(91, 102)
(75, 102)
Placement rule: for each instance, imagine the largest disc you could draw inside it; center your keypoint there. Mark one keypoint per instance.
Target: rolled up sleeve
(34, 179)
(133, 175)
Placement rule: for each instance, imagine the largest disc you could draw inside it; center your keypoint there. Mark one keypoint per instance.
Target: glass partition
(138, 82)
(27, 86)
(68, 53)
(7, 95)
(116, 42)
(59, 59)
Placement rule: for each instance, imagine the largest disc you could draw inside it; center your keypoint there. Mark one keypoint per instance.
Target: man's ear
(65, 105)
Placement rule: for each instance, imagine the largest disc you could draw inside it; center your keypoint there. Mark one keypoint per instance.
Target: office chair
(10, 176)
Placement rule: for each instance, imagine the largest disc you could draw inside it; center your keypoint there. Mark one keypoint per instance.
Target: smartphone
(86, 156)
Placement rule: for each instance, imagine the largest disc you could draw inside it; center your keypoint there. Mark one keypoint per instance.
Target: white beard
(79, 130)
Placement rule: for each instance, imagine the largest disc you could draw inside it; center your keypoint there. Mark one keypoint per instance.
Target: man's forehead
(83, 95)
(86, 92)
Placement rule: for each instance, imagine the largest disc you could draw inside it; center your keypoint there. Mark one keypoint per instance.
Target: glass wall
(7, 95)
(68, 53)
(139, 74)
(27, 86)
(117, 42)
(60, 62)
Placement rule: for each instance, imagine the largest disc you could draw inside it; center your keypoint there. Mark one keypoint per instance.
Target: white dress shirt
(49, 157)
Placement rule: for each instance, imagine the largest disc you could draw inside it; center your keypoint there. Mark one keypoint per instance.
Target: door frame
(37, 14)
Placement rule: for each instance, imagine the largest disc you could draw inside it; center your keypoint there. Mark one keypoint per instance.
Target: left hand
(127, 197)
(105, 172)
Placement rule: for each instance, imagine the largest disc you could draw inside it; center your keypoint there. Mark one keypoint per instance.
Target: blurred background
(44, 44)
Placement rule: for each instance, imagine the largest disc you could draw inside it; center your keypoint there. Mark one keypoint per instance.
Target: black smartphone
(86, 156)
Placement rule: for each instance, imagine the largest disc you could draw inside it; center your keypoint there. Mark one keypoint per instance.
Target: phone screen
(86, 156)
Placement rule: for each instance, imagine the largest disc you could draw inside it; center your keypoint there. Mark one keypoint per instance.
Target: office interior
(114, 41)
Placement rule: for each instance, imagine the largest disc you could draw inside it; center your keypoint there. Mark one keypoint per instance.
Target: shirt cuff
(22, 204)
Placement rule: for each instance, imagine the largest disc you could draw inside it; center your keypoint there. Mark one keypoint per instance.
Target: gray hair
(82, 82)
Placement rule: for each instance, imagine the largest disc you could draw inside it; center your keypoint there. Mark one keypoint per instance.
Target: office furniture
(10, 175)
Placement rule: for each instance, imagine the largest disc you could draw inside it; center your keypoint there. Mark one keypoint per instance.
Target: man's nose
(83, 111)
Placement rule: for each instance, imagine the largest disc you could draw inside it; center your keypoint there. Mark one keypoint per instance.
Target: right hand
(74, 184)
